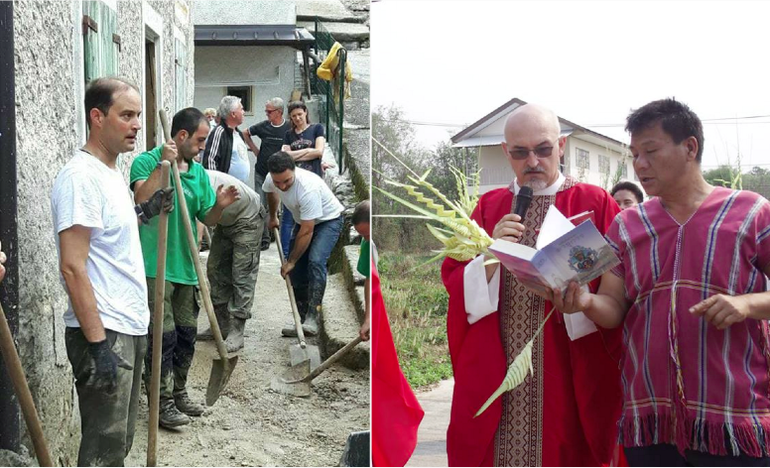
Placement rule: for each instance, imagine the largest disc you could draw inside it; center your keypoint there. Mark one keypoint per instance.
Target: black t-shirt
(272, 140)
(306, 139)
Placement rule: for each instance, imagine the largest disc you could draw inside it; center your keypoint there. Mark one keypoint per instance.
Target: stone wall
(49, 94)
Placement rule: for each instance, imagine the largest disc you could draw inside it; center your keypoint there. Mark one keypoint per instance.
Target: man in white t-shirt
(102, 270)
(319, 216)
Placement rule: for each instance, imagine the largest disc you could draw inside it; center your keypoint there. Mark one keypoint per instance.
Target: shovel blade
(220, 375)
(290, 382)
(309, 353)
(298, 389)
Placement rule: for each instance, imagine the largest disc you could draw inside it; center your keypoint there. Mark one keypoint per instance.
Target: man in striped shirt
(691, 296)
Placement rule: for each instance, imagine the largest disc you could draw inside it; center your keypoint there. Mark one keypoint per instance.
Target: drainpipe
(9, 288)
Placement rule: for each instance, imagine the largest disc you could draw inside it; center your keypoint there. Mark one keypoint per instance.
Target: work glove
(106, 363)
(162, 199)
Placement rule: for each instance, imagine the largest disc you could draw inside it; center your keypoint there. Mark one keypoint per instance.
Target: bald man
(565, 413)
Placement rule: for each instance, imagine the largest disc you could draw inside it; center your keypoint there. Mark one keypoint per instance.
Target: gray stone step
(340, 324)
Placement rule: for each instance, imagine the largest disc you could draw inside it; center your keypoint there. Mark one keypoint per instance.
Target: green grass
(417, 305)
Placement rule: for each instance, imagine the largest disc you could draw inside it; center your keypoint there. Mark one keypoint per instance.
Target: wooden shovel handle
(157, 325)
(191, 242)
(16, 373)
(292, 299)
(332, 359)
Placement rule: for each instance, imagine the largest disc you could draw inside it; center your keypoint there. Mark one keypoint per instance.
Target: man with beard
(564, 414)
(189, 129)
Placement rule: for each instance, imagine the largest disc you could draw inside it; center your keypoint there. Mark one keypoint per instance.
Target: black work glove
(106, 363)
(162, 199)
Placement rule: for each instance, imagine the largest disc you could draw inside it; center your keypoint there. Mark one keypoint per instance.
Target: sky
(450, 63)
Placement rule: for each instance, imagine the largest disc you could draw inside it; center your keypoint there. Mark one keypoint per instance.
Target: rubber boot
(223, 319)
(310, 325)
(290, 330)
(315, 299)
(234, 340)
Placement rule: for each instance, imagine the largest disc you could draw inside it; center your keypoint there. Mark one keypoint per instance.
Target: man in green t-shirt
(189, 129)
(360, 221)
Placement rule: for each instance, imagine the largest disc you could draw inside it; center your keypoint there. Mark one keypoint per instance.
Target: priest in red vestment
(396, 414)
(565, 413)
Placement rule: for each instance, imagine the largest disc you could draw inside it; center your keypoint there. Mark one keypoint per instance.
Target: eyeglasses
(270, 111)
(540, 152)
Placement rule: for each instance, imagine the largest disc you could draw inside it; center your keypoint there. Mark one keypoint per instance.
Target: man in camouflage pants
(189, 129)
(234, 260)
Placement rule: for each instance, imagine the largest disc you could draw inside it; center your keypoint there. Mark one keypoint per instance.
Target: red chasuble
(566, 413)
(396, 414)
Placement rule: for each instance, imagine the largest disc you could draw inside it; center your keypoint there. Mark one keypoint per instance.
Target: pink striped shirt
(685, 382)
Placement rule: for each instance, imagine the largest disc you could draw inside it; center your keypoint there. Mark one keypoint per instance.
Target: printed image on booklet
(580, 254)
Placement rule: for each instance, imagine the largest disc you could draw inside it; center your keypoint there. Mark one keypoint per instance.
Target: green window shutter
(101, 43)
(180, 66)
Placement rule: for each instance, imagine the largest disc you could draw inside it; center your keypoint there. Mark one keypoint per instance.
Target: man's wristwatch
(140, 213)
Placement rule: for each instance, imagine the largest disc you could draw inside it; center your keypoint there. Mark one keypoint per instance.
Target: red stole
(396, 414)
(569, 410)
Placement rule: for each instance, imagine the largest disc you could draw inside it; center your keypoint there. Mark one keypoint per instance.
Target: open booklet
(564, 252)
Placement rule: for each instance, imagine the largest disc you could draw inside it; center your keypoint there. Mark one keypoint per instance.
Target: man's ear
(691, 143)
(96, 116)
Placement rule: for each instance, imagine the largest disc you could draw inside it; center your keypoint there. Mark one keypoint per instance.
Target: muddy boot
(290, 330)
(186, 405)
(234, 340)
(310, 325)
(170, 416)
(223, 319)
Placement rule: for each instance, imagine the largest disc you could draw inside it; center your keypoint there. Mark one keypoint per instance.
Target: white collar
(550, 190)
(278, 126)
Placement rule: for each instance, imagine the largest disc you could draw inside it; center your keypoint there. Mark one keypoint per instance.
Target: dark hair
(631, 187)
(360, 213)
(675, 118)
(299, 105)
(188, 119)
(279, 162)
(100, 94)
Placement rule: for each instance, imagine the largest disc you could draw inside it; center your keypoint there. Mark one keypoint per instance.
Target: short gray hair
(277, 103)
(227, 105)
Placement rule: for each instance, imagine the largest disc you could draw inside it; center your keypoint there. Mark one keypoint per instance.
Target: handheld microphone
(523, 199)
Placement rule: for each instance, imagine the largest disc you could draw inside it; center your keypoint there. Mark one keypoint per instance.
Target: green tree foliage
(757, 179)
(397, 136)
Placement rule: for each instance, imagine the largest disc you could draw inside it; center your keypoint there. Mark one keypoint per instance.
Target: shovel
(221, 368)
(296, 381)
(157, 327)
(19, 381)
(301, 352)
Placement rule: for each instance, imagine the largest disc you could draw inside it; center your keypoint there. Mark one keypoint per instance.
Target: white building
(589, 156)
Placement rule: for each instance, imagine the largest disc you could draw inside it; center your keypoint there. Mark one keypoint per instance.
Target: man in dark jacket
(219, 146)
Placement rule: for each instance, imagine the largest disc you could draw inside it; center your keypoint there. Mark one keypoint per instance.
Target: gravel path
(251, 425)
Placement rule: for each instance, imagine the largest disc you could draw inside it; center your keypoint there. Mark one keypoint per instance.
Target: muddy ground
(251, 425)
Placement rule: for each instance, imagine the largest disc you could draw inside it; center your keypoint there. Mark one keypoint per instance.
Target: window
(101, 44)
(623, 169)
(243, 92)
(604, 165)
(582, 160)
(180, 69)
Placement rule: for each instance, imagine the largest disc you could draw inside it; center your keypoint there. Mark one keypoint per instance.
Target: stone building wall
(49, 94)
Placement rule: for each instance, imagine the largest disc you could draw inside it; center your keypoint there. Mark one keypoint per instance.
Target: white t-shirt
(239, 162)
(308, 197)
(90, 194)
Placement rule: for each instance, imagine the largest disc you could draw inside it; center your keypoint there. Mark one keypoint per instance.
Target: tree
(393, 139)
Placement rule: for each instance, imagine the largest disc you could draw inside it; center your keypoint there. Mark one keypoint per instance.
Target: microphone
(523, 199)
